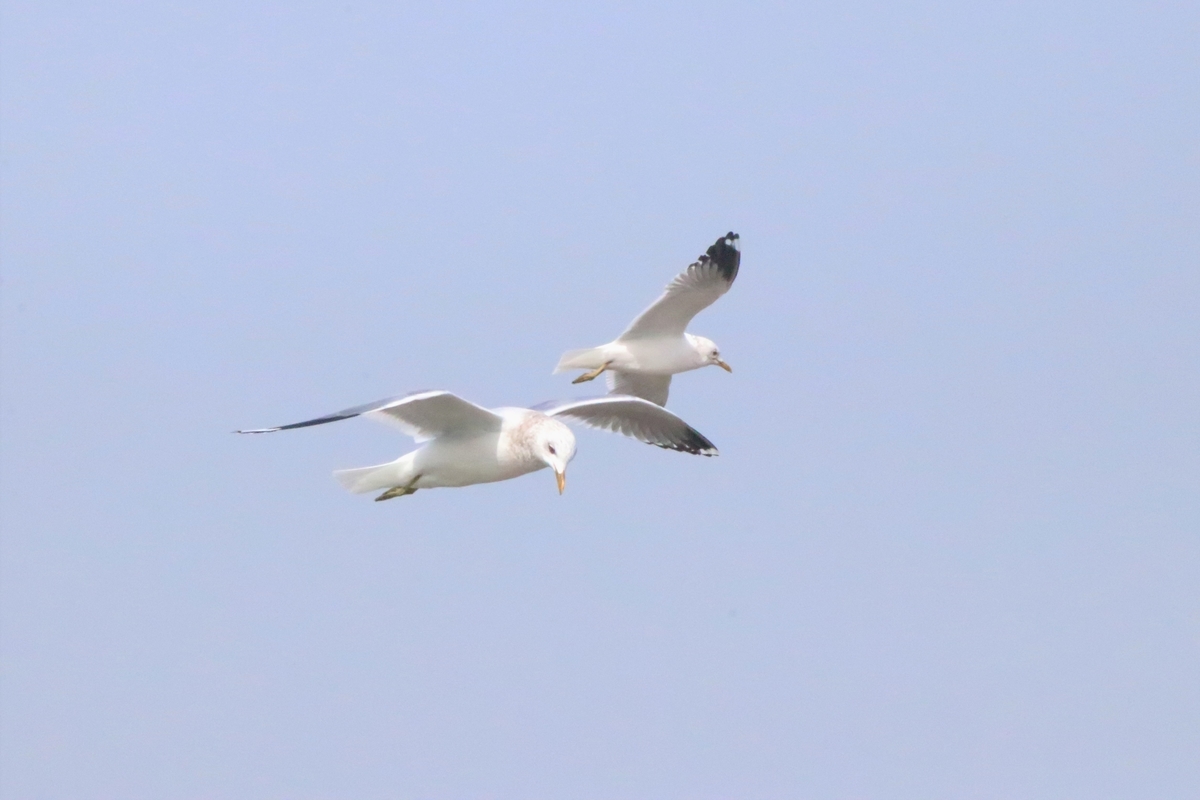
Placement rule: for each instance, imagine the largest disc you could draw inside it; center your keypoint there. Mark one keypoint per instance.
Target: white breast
(660, 356)
(451, 461)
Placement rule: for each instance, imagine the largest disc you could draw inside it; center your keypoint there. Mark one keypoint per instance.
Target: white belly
(656, 356)
(463, 462)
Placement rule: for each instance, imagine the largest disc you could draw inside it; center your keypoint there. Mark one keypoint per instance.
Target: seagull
(655, 346)
(465, 444)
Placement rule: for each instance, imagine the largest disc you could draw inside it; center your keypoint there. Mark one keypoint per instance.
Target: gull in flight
(655, 346)
(464, 444)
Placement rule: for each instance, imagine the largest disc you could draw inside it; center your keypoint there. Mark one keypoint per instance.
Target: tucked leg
(591, 376)
(400, 491)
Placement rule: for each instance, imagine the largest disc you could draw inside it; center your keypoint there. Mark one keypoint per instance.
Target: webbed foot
(399, 491)
(591, 376)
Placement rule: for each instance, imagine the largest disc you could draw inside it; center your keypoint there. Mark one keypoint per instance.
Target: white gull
(655, 346)
(464, 444)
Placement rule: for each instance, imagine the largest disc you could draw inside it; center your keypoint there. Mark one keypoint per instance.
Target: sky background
(951, 546)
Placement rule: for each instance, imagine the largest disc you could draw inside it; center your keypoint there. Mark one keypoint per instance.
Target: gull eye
(550, 447)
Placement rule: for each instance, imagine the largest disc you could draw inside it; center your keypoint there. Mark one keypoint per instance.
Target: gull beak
(724, 366)
(562, 480)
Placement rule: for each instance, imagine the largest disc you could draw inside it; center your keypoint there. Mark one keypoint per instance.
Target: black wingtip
(308, 423)
(693, 442)
(727, 255)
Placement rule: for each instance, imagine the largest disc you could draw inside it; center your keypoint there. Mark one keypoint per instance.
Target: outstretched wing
(692, 291)
(652, 387)
(634, 417)
(421, 415)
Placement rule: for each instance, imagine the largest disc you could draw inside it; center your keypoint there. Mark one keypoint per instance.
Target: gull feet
(591, 376)
(399, 491)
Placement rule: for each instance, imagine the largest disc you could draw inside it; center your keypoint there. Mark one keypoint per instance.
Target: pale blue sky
(951, 547)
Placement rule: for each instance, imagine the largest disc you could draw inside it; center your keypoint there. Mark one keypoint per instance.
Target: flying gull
(464, 444)
(655, 346)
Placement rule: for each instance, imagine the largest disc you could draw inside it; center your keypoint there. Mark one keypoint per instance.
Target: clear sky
(951, 547)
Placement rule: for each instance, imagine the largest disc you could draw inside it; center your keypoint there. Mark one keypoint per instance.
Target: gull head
(555, 444)
(709, 353)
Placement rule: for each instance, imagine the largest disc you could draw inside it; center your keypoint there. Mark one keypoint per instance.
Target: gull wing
(692, 291)
(636, 418)
(421, 415)
(652, 387)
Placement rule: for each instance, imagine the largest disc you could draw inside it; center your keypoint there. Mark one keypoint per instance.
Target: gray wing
(652, 387)
(422, 415)
(634, 417)
(692, 291)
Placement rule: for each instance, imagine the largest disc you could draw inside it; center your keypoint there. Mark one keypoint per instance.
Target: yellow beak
(562, 481)
(724, 366)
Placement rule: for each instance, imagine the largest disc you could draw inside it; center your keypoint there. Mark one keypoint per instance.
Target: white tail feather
(587, 358)
(372, 479)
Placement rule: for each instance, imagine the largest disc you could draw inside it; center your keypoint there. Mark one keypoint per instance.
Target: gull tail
(372, 479)
(587, 358)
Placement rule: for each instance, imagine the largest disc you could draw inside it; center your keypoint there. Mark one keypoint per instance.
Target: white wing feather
(636, 418)
(421, 415)
(692, 291)
(654, 388)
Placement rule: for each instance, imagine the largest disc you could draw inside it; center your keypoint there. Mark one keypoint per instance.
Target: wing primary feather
(306, 424)
(726, 254)
(692, 291)
(336, 416)
(636, 418)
